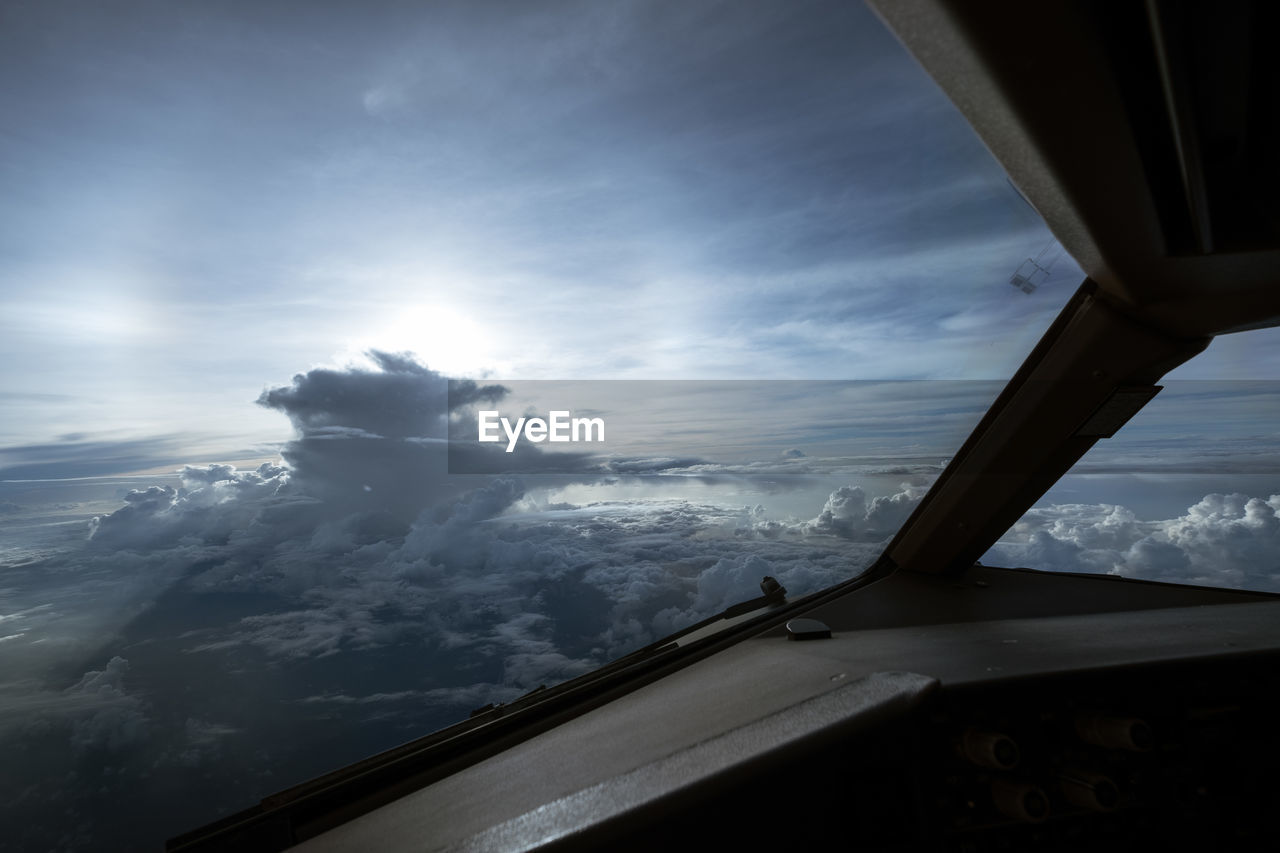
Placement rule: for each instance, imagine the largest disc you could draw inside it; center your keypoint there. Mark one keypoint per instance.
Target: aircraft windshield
(1187, 492)
(247, 245)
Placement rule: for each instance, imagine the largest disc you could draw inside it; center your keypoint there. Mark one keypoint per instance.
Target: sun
(443, 338)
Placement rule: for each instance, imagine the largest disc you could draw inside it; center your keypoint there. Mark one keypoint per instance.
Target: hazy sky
(199, 200)
(202, 199)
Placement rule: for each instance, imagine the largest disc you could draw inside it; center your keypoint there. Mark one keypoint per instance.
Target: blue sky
(203, 199)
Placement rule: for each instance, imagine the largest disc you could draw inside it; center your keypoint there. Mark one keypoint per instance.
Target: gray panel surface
(763, 676)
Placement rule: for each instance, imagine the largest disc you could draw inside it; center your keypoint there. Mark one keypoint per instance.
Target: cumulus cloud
(104, 715)
(212, 503)
(370, 545)
(401, 398)
(1227, 540)
(848, 514)
(360, 434)
(357, 581)
(562, 591)
(361, 543)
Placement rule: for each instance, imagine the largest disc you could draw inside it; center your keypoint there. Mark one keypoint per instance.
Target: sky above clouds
(202, 200)
(267, 234)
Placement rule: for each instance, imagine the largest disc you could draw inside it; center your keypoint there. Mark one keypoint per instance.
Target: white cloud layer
(358, 582)
(358, 586)
(1230, 540)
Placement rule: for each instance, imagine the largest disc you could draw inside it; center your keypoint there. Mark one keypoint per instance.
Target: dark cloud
(384, 439)
(371, 440)
(467, 394)
(400, 399)
(115, 720)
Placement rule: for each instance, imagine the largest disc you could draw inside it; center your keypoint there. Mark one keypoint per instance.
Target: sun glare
(443, 339)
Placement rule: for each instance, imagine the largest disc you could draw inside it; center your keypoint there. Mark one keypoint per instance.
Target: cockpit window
(246, 247)
(1187, 492)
